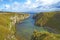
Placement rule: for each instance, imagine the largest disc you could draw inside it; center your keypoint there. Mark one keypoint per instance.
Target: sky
(29, 5)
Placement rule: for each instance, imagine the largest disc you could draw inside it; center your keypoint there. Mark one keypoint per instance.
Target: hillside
(7, 24)
(45, 36)
(48, 20)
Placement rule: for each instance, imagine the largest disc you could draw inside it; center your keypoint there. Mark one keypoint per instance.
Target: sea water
(26, 28)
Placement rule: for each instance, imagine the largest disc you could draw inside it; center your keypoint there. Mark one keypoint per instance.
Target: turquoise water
(26, 28)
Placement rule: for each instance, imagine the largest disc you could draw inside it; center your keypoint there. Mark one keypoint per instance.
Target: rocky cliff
(44, 36)
(7, 24)
(49, 20)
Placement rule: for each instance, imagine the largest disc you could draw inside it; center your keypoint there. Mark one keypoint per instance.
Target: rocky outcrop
(7, 25)
(45, 36)
(49, 20)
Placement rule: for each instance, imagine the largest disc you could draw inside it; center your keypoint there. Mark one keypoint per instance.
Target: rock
(7, 24)
(49, 19)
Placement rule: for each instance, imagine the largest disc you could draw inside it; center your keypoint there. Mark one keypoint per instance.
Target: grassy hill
(48, 20)
(7, 24)
(45, 36)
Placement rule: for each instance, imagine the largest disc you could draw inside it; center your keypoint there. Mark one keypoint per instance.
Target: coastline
(7, 24)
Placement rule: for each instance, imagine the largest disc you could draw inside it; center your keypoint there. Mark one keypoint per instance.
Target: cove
(26, 28)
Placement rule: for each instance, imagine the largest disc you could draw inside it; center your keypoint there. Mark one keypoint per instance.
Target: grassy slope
(4, 26)
(45, 36)
(5, 23)
(49, 19)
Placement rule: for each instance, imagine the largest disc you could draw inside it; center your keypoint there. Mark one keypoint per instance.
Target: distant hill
(48, 20)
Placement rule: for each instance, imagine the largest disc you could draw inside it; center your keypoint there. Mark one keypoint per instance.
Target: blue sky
(29, 5)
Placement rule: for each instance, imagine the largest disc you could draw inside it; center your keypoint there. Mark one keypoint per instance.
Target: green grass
(49, 19)
(46, 16)
(5, 24)
(45, 36)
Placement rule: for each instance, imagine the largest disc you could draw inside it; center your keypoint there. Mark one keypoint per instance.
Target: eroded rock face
(44, 36)
(7, 24)
(49, 20)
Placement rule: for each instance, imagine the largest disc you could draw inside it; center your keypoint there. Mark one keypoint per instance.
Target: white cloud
(16, 3)
(29, 5)
(44, 5)
(28, 2)
(15, 6)
(7, 6)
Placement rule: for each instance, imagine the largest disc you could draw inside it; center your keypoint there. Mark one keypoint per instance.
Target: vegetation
(45, 36)
(7, 24)
(48, 19)
(4, 26)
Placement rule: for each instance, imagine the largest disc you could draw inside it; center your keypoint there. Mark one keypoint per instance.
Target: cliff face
(45, 36)
(7, 24)
(49, 20)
